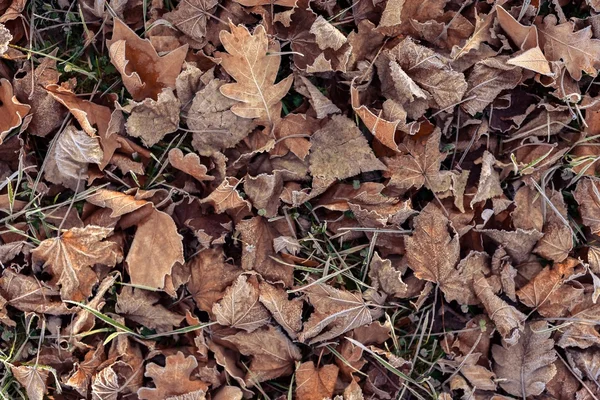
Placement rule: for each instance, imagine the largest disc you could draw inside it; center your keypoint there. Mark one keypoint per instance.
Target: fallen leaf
(288, 313)
(151, 120)
(156, 248)
(482, 33)
(335, 312)
(508, 320)
(383, 275)
(178, 368)
(190, 164)
(489, 180)
(28, 294)
(226, 198)
(190, 17)
(587, 194)
(12, 111)
(240, 308)
(105, 385)
(70, 256)
(561, 43)
(143, 71)
(142, 306)
(273, 354)
(319, 102)
(533, 60)
(525, 37)
(314, 383)
(33, 379)
(526, 367)
(264, 191)
(292, 134)
(518, 244)
(5, 38)
(246, 60)
(82, 377)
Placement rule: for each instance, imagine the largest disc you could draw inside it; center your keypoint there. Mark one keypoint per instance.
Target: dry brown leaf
(142, 306)
(299, 127)
(33, 379)
(226, 198)
(156, 248)
(526, 367)
(577, 49)
(215, 126)
(190, 164)
(335, 312)
(151, 120)
(533, 60)
(69, 258)
(385, 277)
(508, 320)
(581, 332)
(174, 379)
(488, 78)
(12, 111)
(5, 38)
(246, 60)
(315, 383)
(489, 180)
(288, 313)
(587, 194)
(143, 71)
(240, 308)
(319, 102)
(258, 252)
(482, 33)
(273, 354)
(518, 244)
(528, 214)
(421, 166)
(563, 384)
(67, 163)
(264, 191)
(28, 294)
(190, 17)
(526, 37)
(120, 203)
(82, 377)
(210, 276)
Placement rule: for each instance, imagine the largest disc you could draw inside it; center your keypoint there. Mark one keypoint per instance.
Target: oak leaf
(174, 379)
(142, 306)
(156, 248)
(247, 61)
(526, 367)
(190, 164)
(273, 353)
(12, 111)
(577, 49)
(315, 383)
(70, 256)
(288, 313)
(335, 312)
(33, 379)
(143, 71)
(240, 307)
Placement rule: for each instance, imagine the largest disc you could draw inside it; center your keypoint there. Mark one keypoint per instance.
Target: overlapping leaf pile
(301, 199)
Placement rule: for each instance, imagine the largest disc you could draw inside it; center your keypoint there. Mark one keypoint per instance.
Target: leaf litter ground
(285, 199)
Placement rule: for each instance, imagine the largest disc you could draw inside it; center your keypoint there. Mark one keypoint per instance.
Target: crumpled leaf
(5, 38)
(482, 33)
(151, 120)
(489, 180)
(335, 312)
(240, 308)
(142, 306)
(69, 258)
(143, 71)
(33, 379)
(246, 60)
(174, 379)
(273, 354)
(526, 367)
(156, 248)
(577, 49)
(82, 377)
(73, 152)
(12, 111)
(314, 383)
(383, 275)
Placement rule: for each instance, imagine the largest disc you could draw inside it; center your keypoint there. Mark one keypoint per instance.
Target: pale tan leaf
(240, 307)
(226, 198)
(533, 60)
(151, 120)
(327, 36)
(526, 367)
(287, 313)
(190, 164)
(33, 379)
(526, 37)
(120, 203)
(106, 385)
(385, 277)
(314, 383)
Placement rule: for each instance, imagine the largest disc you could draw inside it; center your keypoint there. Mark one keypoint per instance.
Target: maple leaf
(273, 354)
(155, 249)
(178, 369)
(105, 385)
(315, 383)
(240, 308)
(335, 312)
(524, 368)
(70, 256)
(142, 306)
(577, 49)
(190, 17)
(421, 166)
(255, 72)
(81, 378)
(33, 379)
(12, 111)
(143, 71)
